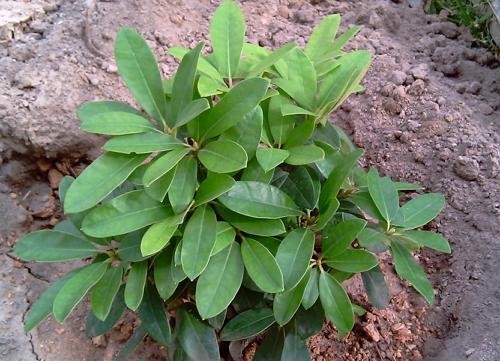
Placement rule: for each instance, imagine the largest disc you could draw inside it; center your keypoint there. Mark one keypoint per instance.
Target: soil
(430, 114)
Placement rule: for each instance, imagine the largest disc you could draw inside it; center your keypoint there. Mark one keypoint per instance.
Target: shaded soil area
(430, 114)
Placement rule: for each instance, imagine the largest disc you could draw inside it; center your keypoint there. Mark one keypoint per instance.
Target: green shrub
(230, 207)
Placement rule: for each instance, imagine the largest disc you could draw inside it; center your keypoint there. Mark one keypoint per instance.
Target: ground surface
(430, 114)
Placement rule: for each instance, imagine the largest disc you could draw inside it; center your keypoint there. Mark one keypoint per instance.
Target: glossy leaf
(326, 214)
(384, 195)
(157, 237)
(88, 110)
(270, 158)
(259, 200)
(429, 239)
(126, 213)
(136, 281)
(158, 189)
(408, 269)
(303, 185)
(353, 261)
(162, 272)
(183, 185)
(204, 66)
(254, 172)
(270, 59)
(116, 123)
(304, 154)
(138, 69)
(95, 327)
(192, 110)
(311, 292)
(336, 303)
(223, 156)
(53, 246)
(247, 132)
(198, 241)
(295, 349)
(129, 249)
(286, 304)
(422, 209)
(153, 317)
(300, 134)
(279, 126)
(255, 226)
(237, 103)
(322, 37)
(212, 187)
(336, 239)
(105, 292)
(164, 163)
(225, 236)
(73, 291)
(248, 324)
(376, 288)
(197, 339)
(142, 143)
(99, 179)
(220, 281)
(293, 256)
(227, 32)
(272, 346)
(261, 266)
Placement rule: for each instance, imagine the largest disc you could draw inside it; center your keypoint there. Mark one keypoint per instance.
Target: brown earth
(430, 114)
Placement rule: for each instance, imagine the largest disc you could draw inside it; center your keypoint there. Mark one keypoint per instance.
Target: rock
(21, 52)
(304, 16)
(39, 26)
(44, 164)
(417, 88)
(12, 216)
(54, 177)
(283, 11)
(391, 106)
(398, 77)
(467, 168)
(421, 71)
(474, 87)
(399, 93)
(93, 79)
(372, 332)
(486, 109)
(23, 81)
(469, 352)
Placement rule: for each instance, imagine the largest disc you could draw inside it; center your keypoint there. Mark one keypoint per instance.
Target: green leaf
(247, 132)
(279, 126)
(116, 123)
(164, 163)
(376, 288)
(248, 324)
(298, 78)
(192, 110)
(322, 37)
(129, 249)
(311, 292)
(337, 176)
(163, 275)
(73, 291)
(303, 185)
(270, 59)
(53, 246)
(198, 241)
(404, 186)
(261, 266)
(292, 109)
(223, 156)
(294, 254)
(219, 282)
(126, 213)
(254, 172)
(204, 66)
(95, 327)
(231, 109)
(105, 292)
(208, 87)
(227, 32)
(336, 239)
(384, 194)
(259, 200)
(364, 202)
(422, 209)
(309, 322)
(408, 269)
(304, 154)
(372, 240)
(272, 346)
(99, 179)
(197, 339)
(270, 158)
(295, 349)
(183, 185)
(88, 110)
(138, 69)
(429, 239)
(137, 336)
(159, 188)
(43, 306)
(225, 236)
(326, 214)
(212, 187)
(142, 143)
(353, 261)
(136, 281)
(336, 303)
(153, 317)
(287, 303)
(183, 87)
(255, 226)
(157, 237)
(218, 321)
(300, 134)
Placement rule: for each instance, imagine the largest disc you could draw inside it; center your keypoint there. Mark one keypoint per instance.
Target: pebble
(304, 16)
(23, 81)
(54, 177)
(372, 332)
(283, 12)
(43, 164)
(398, 77)
(421, 71)
(469, 352)
(474, 87)
(94, 80)
(467, 168)
(417, 88)
(486, 109)
(21, 52)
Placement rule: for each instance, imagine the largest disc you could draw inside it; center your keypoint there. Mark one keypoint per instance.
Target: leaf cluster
(229, 206)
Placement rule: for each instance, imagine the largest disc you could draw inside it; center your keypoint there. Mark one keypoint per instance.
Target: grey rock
(486, 109)
(467, 168)
(21, 52)
(417, 88)
(397, 77)
(304, 16)
(474, 87)
(421, 71)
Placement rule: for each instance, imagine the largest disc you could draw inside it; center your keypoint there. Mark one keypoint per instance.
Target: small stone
(23, 81)
(392, 107)
(111, 68)
(469, 352)
(304, 16)
(54, 178)
(467, 168)
(38, 26)
(486, 109)
(283, 12)
(398, 77)
(421, 71)
(399, 93)
(474, 87)
(43, 164)
(417, 88)
(372, 332)
(21, 52)
(93, 80)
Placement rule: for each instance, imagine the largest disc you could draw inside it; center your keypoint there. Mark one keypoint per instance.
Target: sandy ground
(430, 114)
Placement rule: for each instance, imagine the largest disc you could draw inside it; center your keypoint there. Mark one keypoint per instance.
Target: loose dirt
(430, 114)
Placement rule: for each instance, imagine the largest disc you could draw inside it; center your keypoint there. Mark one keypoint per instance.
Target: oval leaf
(161, 165)
(422, 209)
(183, 185)
(248, 324)
(336, 239)
(116, 123)
(304, 154)
(376, 288)
(105, 292)
(287, 303)
(270, 158)
(153, 317)
(212, 187)
(353, 261)
(223, 156)
(384, 194)
(142, 143)
(134, 289)
(157, 237)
